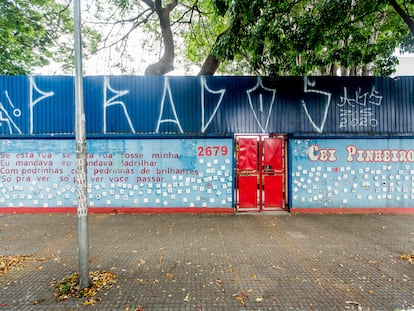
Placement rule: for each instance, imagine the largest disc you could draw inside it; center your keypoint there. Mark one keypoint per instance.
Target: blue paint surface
(354, 173)
(121, 173)
(131, 105)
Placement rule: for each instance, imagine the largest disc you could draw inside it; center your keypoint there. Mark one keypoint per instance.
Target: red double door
(260, 173)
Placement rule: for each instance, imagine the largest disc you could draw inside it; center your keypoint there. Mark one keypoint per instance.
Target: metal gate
(260, 173)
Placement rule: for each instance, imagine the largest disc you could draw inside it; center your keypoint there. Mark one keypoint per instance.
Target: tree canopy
(294, 37)
(35, 32)
(276, 37)
(263, 37)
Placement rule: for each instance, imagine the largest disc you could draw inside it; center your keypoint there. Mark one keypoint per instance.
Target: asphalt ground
(214, 262)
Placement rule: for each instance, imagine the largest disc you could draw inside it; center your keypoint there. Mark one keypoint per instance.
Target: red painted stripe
(118, 210)
(195, 210)
(389, 210)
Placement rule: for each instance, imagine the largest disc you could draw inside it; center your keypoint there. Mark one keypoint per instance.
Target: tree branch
(212, 63)
(403, 14)
(166, 62)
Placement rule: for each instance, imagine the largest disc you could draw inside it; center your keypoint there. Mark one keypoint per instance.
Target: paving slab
(215, 262)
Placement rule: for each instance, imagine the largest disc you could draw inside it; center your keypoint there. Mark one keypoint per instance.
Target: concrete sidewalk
(215, 262)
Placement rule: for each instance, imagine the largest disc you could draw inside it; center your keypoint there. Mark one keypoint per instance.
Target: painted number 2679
(212, 151)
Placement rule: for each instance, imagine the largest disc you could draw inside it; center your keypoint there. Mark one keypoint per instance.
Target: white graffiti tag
(167, 89)
(112, 101)
(357, 111)
(260, 112)
(34, 102)
(204, 89)
(7, 118)
(319, 128)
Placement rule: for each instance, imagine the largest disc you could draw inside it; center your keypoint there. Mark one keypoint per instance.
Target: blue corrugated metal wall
(44, 105)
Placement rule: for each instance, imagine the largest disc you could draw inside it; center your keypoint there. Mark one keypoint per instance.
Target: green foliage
(22, 37)
(293, 37)
(35, 32)
(200, 35)
(220, 6)
(275, 37)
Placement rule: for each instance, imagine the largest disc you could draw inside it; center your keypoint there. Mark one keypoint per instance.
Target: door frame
(260, 175)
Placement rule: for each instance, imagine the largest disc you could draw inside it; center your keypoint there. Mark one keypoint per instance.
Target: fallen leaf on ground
(239, 296)
(240, 299)
(355, 303)
(89, 302)
(38, 301)
(6, 262)
(259, 299)
(408, 257)
(68, 287)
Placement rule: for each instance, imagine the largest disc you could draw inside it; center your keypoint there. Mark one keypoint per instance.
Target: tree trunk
(352, 72)
(212, 63)
(210, 66)
(166, 62)
(404, 15)
(366, 71)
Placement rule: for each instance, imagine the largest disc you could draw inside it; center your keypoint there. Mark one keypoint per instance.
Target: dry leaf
(38, 301)
(240, 297)
(68, 286)
(89, 302)
(408, 257)
(187, 297)
(6, 262)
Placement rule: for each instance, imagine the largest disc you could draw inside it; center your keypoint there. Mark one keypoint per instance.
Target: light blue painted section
(354, 173)
(121, 173)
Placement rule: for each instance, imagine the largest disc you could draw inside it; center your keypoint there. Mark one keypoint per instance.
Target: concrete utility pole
(81, 169)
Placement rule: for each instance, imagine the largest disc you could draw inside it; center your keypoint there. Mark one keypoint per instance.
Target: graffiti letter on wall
(375, 99)
(355, 111)
(328, 96)
(167, 88)
(108, 102)
(34, 102)
(205, 88)
(5, 116)
(261, 115)
(361, 98)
